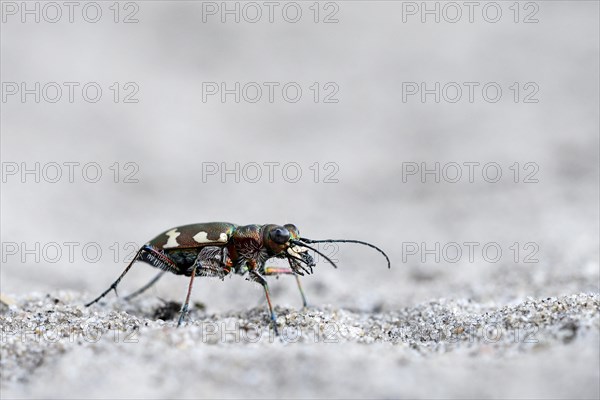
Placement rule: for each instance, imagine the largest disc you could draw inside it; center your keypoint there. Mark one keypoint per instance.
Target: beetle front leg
(288, 271)
(296, 264)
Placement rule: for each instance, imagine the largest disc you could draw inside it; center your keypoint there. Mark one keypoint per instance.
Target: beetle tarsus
(274, 322)
(97, 299)
(182, 314)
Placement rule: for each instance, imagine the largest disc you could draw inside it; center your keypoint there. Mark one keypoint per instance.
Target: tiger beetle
(216, 249)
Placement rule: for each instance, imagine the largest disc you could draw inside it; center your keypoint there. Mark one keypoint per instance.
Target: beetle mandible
(217, 249)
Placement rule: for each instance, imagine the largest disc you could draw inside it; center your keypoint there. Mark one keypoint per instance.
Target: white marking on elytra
(172, 242)
(202, 237)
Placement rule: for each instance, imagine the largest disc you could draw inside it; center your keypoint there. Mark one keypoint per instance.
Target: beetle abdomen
(212, 260)
(183, 258)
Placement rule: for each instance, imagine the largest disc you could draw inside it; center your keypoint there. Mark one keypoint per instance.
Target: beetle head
(280, 242)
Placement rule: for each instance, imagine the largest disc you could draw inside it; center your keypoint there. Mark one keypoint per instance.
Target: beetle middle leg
(257, 277)
(145, 287)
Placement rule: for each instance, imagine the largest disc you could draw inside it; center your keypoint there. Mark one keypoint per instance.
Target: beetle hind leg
(145, 287)
(148, 254)
(156, 258)
(270, 271)
(115, 283)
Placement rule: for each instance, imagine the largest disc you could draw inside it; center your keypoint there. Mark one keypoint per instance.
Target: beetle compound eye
(280, 235)
(294, 232)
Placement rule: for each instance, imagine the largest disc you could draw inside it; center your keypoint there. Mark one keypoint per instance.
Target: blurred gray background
(170, 134)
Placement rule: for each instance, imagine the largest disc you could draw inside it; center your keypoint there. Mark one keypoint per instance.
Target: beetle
(216, 249)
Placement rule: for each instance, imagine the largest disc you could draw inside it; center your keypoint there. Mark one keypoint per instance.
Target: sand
(54, 347)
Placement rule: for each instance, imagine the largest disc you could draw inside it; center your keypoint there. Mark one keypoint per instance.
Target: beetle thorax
(248, 246)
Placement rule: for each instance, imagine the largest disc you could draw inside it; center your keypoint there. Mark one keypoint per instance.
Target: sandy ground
(443, 348)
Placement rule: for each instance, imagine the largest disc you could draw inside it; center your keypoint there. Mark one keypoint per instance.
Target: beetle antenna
(298, 242)
(348, 241)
